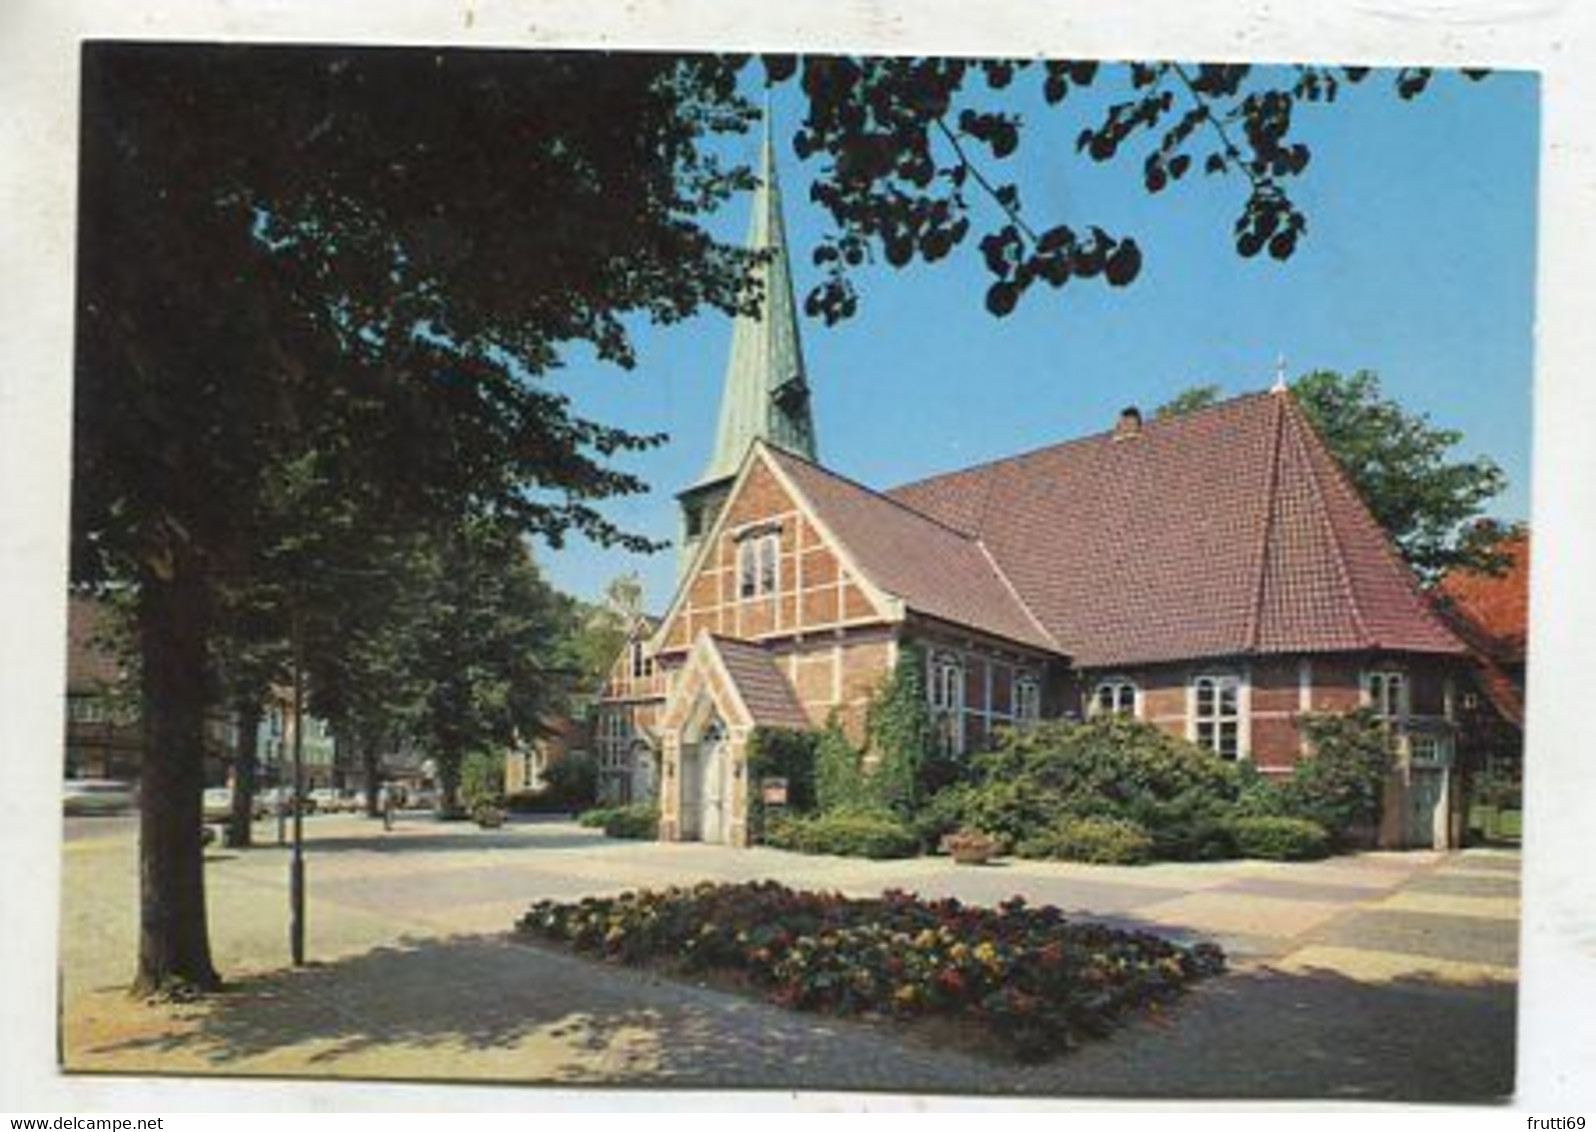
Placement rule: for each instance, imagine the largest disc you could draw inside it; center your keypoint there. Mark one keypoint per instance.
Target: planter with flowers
(1022, 979)
(970, 847)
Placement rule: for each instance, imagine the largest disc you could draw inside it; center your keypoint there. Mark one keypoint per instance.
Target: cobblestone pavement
(1375, 976)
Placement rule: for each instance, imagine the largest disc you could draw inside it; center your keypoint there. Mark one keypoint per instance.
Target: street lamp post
(296, 862)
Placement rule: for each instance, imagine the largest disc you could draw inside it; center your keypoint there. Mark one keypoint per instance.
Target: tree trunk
(174, 947)
(241, 823)
(370, 768)
(449, 785)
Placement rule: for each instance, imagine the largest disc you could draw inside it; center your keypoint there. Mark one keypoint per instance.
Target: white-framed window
(1027, 699)
(759, 565)
(1216, 714)
(1429, 748)
(641, 664)
(1385, 692)
(1115, 696)
(946, 693)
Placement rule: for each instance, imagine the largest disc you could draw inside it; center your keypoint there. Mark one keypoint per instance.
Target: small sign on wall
(773, 791)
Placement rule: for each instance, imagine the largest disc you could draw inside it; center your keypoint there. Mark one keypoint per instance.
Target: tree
(289, 255)
(1401, 464)
(1188, 401)
(484, 650)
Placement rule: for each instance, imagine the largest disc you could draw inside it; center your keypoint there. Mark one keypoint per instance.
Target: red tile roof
(936, 570)
(770, 699)
(1496, 607)
(1227, 531)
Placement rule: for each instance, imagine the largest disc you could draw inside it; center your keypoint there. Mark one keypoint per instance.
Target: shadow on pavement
(465, 1007)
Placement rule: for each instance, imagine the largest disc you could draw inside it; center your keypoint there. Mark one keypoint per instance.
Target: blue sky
(1419, 265)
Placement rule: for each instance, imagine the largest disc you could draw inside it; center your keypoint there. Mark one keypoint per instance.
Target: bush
(596, 817)
(1340, 786)
(572, 781)
(482, 781)
(535, 802)
(902, 738)
(781, 752)
(1110, 767)
(1092, 840)
(845, 833)
(1280, 839)
(1026, 978)
(839, 780)
(638, 822)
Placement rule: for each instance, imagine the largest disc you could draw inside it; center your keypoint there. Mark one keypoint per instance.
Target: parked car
(328, 800)
(218, 803)
(94, 796)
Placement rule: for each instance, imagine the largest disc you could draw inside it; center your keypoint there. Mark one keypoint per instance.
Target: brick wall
(815, 591)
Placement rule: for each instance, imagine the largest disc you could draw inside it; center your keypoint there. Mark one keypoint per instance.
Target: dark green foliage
(482, 780)
(1498, 787)
(596, 817)
(571, 781)
(1107, 767)
(538, 802)
(779, 752)
(839, 778)
(901, 739)
(845, 833)
(1092, 840)
(1340, 785)
(638, 822)
(1280, 839)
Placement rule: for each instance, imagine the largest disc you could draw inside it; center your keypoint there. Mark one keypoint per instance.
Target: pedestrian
(387, 806)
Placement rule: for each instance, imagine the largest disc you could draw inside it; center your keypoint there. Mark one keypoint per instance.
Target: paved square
(1381, 975)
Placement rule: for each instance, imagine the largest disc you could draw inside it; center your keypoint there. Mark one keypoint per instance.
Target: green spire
(766, 393)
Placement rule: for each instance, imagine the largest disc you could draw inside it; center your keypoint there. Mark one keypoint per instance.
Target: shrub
(839, 780)
(781, 752)
(638, 822)
(1110, 767)
(535, 802)
(596, 817)
(1025, 977)
(481, 781)
(1280, 839)
(1341, 785)
(901, 738)
(1093, 840)
(845, 833)
(572, 781)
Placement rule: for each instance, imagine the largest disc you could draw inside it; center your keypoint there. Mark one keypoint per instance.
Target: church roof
(935, 570)
(1227, 531)
(765, 692)
(766, 392)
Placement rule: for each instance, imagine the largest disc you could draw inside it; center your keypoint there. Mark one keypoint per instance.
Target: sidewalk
(1384, 975)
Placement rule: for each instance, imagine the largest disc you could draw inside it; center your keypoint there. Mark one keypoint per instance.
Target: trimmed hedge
(638, 822)
(878, 836)
(1280, 839)
(1092, 840)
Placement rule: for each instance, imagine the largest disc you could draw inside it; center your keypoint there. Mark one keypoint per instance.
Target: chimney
(1129, 424)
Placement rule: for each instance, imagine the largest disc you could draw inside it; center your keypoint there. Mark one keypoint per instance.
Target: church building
(1215, 574)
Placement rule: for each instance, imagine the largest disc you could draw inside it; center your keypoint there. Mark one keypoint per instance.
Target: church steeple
(765, 395)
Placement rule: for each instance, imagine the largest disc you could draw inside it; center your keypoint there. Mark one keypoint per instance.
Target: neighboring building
(274, 750)
(103, 736)
(1215, 574)
(526, 764)
(625, 721)
(1490, 612)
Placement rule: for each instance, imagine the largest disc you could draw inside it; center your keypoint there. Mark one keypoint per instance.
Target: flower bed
(1034, 983)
